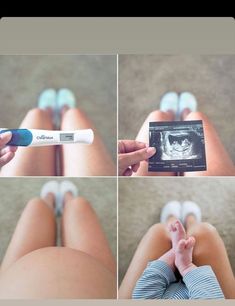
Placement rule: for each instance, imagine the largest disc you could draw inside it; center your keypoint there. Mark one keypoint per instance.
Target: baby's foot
(183, 255)
(177, 233)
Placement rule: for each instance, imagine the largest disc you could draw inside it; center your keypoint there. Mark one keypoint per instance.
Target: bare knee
(204, 229)
(35, 202)
(78, 203)
(75, 118)
(158, 235)
(39, 205)
(37, 113)
(72, 113)
(206, 235)
(38, 118)
(157, 230)
(197, 116)
(158, 115)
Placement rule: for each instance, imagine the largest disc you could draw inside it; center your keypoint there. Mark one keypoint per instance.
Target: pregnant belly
(57, 272)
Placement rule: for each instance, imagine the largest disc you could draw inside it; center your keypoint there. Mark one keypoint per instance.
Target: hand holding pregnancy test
(33, 137)
(6, 152)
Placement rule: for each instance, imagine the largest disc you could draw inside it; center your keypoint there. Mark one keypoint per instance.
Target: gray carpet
(141, 200)
(101, 193)
(92, 78)
(143, 79)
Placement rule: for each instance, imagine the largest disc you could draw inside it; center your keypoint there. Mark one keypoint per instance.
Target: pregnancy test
(36, 138)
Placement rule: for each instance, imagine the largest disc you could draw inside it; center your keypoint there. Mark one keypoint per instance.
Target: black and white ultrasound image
(180, 146)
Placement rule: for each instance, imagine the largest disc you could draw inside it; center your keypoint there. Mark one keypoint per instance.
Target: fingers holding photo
(130, 154)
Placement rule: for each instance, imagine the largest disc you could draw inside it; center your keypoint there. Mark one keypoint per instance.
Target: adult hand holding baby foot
(6, 152)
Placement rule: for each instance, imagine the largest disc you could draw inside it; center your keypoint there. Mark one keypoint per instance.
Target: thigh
(153, 245)
(81, 230)
(81, 159)
(35, 229)
(210, 250)
(219, 162)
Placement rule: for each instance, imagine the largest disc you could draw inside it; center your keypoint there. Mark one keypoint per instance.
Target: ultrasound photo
(180, 146)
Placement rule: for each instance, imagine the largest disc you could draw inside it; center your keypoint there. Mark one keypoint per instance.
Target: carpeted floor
(16, 192)
(92, 78)
(141, 200)
(143, 79)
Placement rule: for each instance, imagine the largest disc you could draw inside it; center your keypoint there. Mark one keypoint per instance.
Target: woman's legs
(80, 159)
(143, 136)
(210, 250)
(73, 272)
(153, 245)
(36, 229)
(218, 161)
(82, 231)
(38, 161)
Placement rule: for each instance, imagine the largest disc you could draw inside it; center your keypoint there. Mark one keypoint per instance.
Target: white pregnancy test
(36, 138)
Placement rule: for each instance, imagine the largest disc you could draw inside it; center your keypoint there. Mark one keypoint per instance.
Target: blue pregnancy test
(33, 137)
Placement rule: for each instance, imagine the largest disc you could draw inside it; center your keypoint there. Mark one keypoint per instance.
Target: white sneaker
(65, 97)
(47, 99)
(64, 187)
(191, 208)
(169, 101)
(51, 187)
(187, 100)
(172, 208)
(59, 190)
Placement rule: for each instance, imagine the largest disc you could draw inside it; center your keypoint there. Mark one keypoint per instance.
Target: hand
(130, 154)
(6, 152)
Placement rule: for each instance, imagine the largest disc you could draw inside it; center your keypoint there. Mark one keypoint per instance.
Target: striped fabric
(158, 281)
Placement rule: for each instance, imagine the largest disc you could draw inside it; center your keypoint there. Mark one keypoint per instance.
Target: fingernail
(151, 151)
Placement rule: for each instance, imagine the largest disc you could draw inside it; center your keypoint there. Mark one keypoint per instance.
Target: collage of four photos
(117, 177)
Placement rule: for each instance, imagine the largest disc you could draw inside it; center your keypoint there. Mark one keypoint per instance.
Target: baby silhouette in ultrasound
(179, 145)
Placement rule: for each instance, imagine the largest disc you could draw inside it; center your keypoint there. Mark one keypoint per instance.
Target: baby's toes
(173, 231)
(181, 246)
(172, 227)
(169, 227)
(180, 229)
(190, 242)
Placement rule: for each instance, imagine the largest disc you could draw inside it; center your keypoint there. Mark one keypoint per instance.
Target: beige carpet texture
(16, 192)
(143, 79)
(141, 201)
(92, 78)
